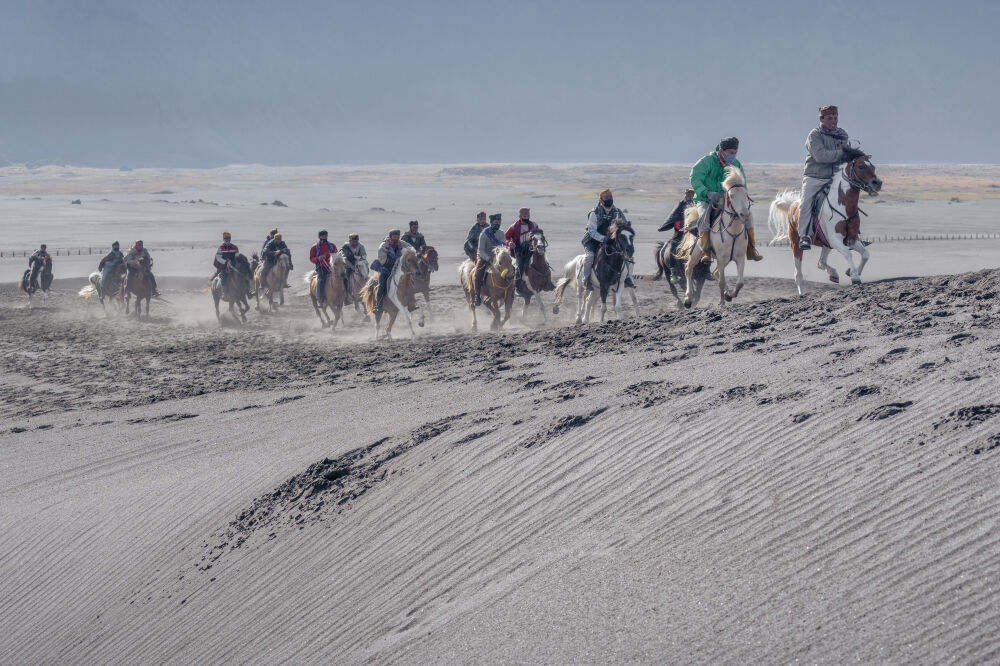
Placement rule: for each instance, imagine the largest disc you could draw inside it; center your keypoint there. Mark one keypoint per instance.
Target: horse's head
(430, 257)
(538, 242)
(503, 263)
(409, 262)
(622, 237)
(737, 200)
(338, 266)
(860, 173)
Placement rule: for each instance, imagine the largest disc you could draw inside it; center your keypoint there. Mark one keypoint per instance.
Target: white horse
(728, 236)
(838, 224)
(618, 248)
(399, 290)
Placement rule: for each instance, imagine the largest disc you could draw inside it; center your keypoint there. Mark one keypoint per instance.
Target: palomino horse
(399, 294)
(427, 263)
(498, 288)
(141, 287)
(357, 280)
(276, 278)
(333, 292)
(728, 236)
(612, 268)
(671, 268)
(111, 289)
(234, 288)
(835, 228)
(38, 277)
(536, 276)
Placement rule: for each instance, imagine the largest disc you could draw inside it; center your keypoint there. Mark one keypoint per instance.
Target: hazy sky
(209, 83)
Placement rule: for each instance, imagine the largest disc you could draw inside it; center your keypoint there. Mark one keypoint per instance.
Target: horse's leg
(741, 260)
(720, 275)
(580, 299)
(400, 309)
(218, 315)
(860, 248)
(541, 306)
(830, 270)
(689, 266)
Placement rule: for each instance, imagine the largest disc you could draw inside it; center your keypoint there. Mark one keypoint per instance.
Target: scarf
(839, 134)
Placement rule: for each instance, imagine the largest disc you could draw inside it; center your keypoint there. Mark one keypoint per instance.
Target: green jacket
(707, 175)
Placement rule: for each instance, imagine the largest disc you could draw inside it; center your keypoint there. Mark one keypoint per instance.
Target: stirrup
(804, 244)
(479, 300)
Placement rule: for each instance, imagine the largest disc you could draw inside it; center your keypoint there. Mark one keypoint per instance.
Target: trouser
(588, 264)
(322, 272)
(108, 268)
(480, 276)
(810, 188)
(34, 275)
(470, 250)
(383, 286)
(523, 255)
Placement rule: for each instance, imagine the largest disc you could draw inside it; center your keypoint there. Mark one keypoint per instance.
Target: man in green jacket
(706, 180)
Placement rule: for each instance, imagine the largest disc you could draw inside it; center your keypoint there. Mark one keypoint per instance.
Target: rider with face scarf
(598, 222)
(389, 252)
(36, 261)
(111, 263)
(472, 238)
(706, 180)
(489, 239)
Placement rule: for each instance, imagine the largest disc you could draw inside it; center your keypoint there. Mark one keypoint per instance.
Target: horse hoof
(555, 309)
(687, 303)
(855, 280)
(835, 279)
(420, 324)
(729, 296)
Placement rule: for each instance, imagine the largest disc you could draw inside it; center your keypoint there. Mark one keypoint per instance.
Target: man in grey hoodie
(826, 149)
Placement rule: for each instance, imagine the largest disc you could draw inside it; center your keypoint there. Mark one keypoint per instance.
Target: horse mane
(734, 177)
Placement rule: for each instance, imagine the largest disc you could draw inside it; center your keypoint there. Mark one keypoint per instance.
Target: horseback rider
(272, 248)
(354, 255)
(389, 252)
(226, 253)
(604, 213)
(706, 179)
(137, 253)
(488, 240)
(112, 262)
(37, 261)
(321, 255)
(676, 219)
(472, 238)
(826, 148)
(267, 240)
(414, 237)
(518, 239)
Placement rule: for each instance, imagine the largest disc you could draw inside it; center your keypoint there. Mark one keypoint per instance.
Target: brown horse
(498, 287)
(141, 287)
(399, 292)
(427, 263)
(234, 289)
(357, 280)
(838, 222)
(37, 278)
(276, 278)
(333, 292)
(537, 275)
(110, 289)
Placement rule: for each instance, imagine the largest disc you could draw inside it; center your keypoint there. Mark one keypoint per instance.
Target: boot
(751, 247)
(703, 240)
(347, 291)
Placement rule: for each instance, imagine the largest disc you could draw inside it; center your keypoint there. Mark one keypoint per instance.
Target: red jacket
(321, 251)
(519, 232)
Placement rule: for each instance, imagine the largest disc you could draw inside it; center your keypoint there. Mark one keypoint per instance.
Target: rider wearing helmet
(488, 240)
(137, 253)
(472, 238)
(604, 213)
(389, 253)
(36, 261)
(272, 248)
(226, 253)
(706, 180)
(320, 255)
(518, 239)
(827, 148)
(113, 261)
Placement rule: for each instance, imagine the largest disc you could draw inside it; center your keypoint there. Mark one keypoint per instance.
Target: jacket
(597, 224)
(487, 241)
(415, 241)
(40, 256)
(226, 253)
(823, 154)
(519, 232)
(387, 255)
(319, 254)
(676, 217)
(133, 257)
(353, 256)
(708, 173)
(114, 257)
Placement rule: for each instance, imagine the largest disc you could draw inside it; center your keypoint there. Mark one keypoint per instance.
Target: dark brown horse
(141, 286)
(537, 275)
(233, 289)
(37, 278)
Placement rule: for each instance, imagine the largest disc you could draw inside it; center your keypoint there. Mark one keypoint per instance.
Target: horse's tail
(659, 260)
(91, 288)
(778, 215)
(368, 293)
(569, 275)
(307, 278)
(465, 276)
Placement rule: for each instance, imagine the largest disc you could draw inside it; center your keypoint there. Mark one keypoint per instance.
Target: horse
(399, 292)
(728, 237)
(234, 288)
(333, 291)
(357, 279)
(141, 287)
(536, 275)
(427, 263)
(38, 277)
(834, 229)
(110, 289)
(612, 268)
(498, 288)
(276, 278)
(671, 268)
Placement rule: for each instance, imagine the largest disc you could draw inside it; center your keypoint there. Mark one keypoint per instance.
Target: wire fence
(83, 251)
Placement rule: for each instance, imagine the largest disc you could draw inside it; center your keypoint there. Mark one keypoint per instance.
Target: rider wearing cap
(389, 253)
(110, 263)
(137, 253)
(675, 220)
(604, 213)
(269, 254)
(226, 253)
(414, 237)
(36, 261)
(320, 255)
(518, 239)
(826, 148)
(488, 240)
(354, 255)
(472, 238)
(706, 180)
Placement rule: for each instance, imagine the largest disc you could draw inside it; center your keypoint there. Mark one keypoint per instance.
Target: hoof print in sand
(960, 339)
(885, 411)
(969, 417)
(561, 426)
(859, 391)
(801, 418)
(894, 355)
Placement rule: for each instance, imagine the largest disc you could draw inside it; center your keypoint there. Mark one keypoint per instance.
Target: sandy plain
(784, 479)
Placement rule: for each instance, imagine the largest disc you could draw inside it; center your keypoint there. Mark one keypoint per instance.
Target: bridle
(855, 181)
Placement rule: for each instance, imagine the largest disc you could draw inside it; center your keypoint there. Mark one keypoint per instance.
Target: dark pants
(522, 253)
(35, 268)
(383, 285)
(480, 275)
(322, 273)
(470, 251)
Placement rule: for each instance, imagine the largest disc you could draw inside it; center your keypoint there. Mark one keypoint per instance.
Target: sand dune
(786, 479)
